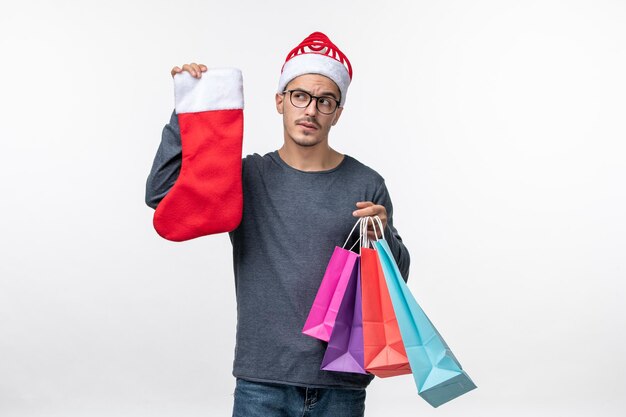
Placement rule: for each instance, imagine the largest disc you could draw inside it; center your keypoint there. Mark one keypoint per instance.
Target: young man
(299, 202)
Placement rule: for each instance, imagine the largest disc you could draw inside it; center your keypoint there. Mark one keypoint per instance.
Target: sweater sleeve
(399, 250)
(166, 165)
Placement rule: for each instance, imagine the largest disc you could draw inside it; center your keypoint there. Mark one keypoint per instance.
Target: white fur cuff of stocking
(216, 89)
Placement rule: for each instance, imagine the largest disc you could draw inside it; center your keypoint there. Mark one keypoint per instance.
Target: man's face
(307, 126)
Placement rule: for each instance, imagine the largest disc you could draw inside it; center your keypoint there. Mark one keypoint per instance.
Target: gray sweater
(292, 220)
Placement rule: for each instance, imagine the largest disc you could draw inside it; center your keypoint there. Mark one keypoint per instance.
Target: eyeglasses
(301, 99)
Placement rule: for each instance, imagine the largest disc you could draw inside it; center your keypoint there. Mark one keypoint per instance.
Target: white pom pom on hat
(316, 54)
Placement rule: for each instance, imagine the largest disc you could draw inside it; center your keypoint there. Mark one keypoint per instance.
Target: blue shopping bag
(437, 373)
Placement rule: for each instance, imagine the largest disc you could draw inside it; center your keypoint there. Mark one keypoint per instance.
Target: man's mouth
(308, 125)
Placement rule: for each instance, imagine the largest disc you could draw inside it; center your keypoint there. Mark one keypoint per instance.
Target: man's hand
(367, 208)
(194, 69)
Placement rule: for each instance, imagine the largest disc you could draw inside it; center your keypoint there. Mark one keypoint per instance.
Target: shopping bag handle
(365, 243)
(350, 234)
(380, 226)
(364, 239)
(363, 222)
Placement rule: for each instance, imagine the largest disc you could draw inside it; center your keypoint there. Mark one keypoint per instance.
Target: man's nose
(311, 109)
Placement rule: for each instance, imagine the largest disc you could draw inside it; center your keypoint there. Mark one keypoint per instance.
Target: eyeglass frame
(311, 97)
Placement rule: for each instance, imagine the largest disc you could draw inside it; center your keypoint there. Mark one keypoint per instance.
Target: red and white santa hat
(316, 54)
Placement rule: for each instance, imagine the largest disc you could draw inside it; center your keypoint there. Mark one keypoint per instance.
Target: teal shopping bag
(437, 372)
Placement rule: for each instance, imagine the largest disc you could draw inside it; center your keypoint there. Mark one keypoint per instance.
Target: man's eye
(325, 101)
(299, 95)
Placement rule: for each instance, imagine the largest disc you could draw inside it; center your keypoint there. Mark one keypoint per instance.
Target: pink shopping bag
(323, 313)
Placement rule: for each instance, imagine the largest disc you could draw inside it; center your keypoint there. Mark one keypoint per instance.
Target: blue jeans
(262, 399)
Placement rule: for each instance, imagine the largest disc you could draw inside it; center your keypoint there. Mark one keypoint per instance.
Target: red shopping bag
(384, 354)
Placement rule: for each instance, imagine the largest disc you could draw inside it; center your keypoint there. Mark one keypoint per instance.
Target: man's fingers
(189, 68)
(372, 228)
(371, 236)
(175, 71)
(364, 208)
(367, 208)
(367, 211)
(194, 69)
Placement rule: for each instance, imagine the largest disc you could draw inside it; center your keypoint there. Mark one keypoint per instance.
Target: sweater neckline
(276, 156)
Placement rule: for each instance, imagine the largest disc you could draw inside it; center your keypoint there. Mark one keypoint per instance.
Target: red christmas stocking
(207, 196)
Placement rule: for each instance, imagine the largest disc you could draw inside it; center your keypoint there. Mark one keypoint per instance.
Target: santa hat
(317, 55)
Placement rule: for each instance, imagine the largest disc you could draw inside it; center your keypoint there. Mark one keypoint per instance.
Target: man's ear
(337, 114)
(279, 103)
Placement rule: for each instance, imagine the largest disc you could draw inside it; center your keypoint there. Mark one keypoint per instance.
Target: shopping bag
(344, 352)
(384, 352)
(323, 312)
(437, 373)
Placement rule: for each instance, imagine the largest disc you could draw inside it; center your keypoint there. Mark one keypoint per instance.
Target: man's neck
(310, 158)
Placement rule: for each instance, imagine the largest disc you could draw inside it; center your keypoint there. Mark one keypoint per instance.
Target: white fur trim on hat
(313, 63)
(217, 89)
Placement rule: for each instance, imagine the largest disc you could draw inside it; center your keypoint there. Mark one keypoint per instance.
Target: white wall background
(498, 126)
